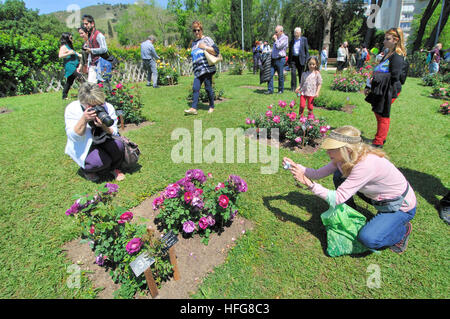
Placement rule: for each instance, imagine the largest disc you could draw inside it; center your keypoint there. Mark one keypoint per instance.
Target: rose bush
(167, 75)
(127, 99)
(297, 130)
(351, 80)
(116, 241)
(196, 204)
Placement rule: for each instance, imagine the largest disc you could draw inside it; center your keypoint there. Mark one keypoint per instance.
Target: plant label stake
(169, 240)
(120, 115)
(142, 265)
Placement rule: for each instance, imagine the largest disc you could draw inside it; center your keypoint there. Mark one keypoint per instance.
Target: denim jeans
(278, 66)
(207, 78)
(383, 230)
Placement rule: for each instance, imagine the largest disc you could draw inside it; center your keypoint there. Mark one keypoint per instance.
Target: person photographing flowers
(361, 169)
(90, 125)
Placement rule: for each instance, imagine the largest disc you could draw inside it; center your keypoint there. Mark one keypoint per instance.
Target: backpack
(429, 56)
(131, 152)
(405, 69)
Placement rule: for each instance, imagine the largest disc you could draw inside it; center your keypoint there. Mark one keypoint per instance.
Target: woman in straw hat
(363, 169)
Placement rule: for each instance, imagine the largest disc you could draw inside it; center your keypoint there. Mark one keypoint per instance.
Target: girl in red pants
(310, 85)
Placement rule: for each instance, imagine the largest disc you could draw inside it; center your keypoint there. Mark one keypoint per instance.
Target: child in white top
(310, 85)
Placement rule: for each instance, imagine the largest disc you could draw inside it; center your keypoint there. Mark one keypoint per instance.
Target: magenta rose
(223, 201)
(188, 197)
(125, 217)
(134, 246)
(203, 223)
(119, 86)
(269, 113)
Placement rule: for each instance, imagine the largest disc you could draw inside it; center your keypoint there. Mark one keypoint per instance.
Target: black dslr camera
(102, 115)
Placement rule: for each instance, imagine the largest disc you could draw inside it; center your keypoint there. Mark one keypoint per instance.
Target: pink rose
(276, 119)
(282, 104)
(223, 201)
(119, 86)
(269, 113)
(298, 140)
(247, 121)
(188, 197)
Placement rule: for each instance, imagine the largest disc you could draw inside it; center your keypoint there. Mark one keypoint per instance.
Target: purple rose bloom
(73, 209)
(233, 214)
(210, 219)
(197, 202)
(188, 227)
(190, 187)
(112, 188)
(171, 191)
(239, 184)
(134, 246)
(100, 260)
(196, 174)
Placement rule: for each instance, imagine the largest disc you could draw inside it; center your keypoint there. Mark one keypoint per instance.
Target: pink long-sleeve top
(374, 176)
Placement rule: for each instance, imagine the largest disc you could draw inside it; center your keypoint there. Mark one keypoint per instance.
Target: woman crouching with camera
(90, 126)
(361, 169)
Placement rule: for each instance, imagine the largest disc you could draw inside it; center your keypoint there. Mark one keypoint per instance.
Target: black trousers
(296, 67)
(69, 83)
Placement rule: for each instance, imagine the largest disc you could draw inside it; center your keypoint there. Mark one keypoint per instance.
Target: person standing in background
(149, 58)
(280, 45)
(298, 55)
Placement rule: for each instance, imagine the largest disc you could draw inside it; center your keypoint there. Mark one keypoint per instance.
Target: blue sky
(49, 6)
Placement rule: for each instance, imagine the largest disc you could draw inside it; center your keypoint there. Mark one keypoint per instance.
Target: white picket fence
(128, 72)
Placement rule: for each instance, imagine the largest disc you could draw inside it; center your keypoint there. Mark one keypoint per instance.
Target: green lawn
(284, 256)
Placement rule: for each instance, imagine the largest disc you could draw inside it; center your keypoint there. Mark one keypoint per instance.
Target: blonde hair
(354, 153)
(91, 94)
(397, 34)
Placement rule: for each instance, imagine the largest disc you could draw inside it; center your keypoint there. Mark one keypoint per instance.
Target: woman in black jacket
(385, 85)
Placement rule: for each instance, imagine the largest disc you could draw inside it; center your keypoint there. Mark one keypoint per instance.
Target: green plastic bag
(342, 224)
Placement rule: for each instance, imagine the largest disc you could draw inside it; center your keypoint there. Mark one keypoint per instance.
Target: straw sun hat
(337, 140)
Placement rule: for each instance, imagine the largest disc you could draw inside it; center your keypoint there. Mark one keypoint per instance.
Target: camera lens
(105, 118)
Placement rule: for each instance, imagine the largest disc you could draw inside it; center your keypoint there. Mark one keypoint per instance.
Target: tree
(428, 12)
(236, 22)
(445, 13)
(371, 21)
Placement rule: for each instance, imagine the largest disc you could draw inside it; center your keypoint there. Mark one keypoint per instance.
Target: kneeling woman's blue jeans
(385, 229)
(207, 78)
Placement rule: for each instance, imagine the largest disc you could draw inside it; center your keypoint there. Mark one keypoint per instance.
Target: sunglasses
(196, 30)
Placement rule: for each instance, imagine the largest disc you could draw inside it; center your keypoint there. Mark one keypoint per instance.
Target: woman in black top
(385, 85)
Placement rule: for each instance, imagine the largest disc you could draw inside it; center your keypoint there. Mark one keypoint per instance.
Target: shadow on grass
(315, 206)
(426, 185)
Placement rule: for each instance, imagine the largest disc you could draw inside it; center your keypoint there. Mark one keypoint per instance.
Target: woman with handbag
(71, 61)
(90, 126)
(385, 86)
(203, 71)
(361, 169)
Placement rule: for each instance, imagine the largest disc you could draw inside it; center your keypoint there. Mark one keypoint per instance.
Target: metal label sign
(141, 264)
(169, 240)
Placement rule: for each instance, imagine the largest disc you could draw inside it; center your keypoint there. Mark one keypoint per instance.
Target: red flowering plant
(351, 80)
(196, 204)
(116, 241)
(125, 98)
(298, 130)
(444, 108)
